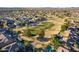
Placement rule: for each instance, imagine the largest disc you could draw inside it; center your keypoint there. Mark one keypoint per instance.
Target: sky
(39, 3)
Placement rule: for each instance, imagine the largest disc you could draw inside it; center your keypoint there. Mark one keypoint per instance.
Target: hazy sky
(39, 3)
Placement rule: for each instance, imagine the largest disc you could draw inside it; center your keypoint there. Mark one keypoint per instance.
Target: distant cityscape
(39, 29)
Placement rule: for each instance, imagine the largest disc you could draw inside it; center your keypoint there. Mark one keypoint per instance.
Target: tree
(28, 33)
(1, 24)
(10, 30)
(32, 31)
(22, 23)
(55, 42)
(42, 33)
(64, 27)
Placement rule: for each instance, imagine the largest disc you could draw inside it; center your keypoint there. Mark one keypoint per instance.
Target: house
(10, 23)
(62, 49)
(10, 44)
(1, 23)
(49, 48)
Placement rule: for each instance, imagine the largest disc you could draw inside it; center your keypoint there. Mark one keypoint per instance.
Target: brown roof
(2, 36)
